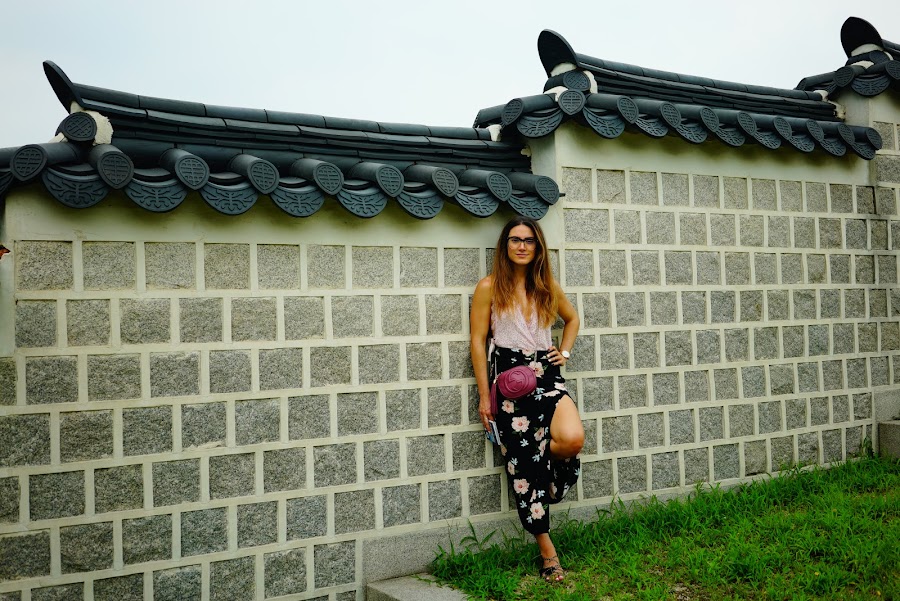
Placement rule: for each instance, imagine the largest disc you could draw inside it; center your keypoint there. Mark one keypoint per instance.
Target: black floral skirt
(535, 479)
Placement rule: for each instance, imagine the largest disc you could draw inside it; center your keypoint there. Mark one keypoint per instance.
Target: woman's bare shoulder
(485, 283)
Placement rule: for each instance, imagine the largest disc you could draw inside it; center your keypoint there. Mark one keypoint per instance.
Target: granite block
(632, 473)
(85, 435)
(176, 482)
(650, 430)
(579, 269)
(257, 421)
(679, 348)
(424, 361)
(229, 371)
(425, 455)
(278, 266)
(867, 334)
(613, 351)
(113, 377)
(309, 417)
(795, 413)
(808, 448)
(711, 423)
(25, 555)
(304, 317)
(764, 266)
(632, 391)
(284, 572)
(597, 394)
(24, 440)
(257, 524)
(708, 346)
(610, 186)
(9, 500)
(665, 470)
(675, 190)
(484, 494)
(444, 406)
(630, 309)
(147, 430)
(832, 375)
(596, 478)
(144, 321)
(660, 228)
(616, 434)
(461, 267)
(626, 227)
(120, 588)
(663, 308)
(253, 319)
(696, 386)
(36, 323)
(325, 266)
(232, 580)
(791, 269)
(373, 266)
(177, 584)
(841, 198)
(381, 459)
(170, 265)
(754, 381)
(830, 234)
(708, 268)
(777, 304)
(280, 368)
(879, 234)
(646, 350)
(357, 413)
(399, 315)
(118, 488)
(443, 314)
(722, 306)
(334, 564)
(770, 415)
(329, 365)
(596, 310)
(203, 425)
(51, 380)
(804, 232)
(726, 462)
(844, 338)
(43, 265)
(755, 457)
(722, 230)
(354, 511)
(782, 452)
(696, 465)
(418, 267)
(830, 304)
(693, 307)
(726, 384)
(400, 505)
(693, 228)
(200, 319)
(765, 343)
(613, 271)
(890, 336)
(334, 464)
(307, 517)
(832, 446)
(854, 303)
(226, 266)
(779, 231)
(108, 265)
(231, 476)
(887, 269)
(857, 373)
(64, 592)
(706, 190)
(284, 469)
(791, 195)
(751, 305)
(403, 408)
(7, 381)
(679, 268)
(643, 188)
(56, 495)
(444, 500)
(808, 377)
(204, 531)
(86, 548)
(816, 197)
(740, 420)
(587, 225)
(174, 374)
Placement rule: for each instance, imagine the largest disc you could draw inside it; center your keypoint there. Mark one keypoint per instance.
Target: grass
(802, 535)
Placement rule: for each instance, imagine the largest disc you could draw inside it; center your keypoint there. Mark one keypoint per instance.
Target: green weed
(806, 534)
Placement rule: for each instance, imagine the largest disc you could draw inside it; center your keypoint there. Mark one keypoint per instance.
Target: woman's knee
(569, 443)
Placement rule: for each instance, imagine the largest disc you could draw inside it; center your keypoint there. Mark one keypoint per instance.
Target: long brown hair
(540, 287)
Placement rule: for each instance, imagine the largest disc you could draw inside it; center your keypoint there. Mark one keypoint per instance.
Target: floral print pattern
(524, 425)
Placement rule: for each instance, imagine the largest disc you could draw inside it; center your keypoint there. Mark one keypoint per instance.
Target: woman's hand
(555, 357)
(484, 410)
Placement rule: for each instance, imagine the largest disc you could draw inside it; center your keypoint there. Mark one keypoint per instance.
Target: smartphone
(493, 434)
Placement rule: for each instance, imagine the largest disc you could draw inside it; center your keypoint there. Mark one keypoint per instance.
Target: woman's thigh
(566, 423)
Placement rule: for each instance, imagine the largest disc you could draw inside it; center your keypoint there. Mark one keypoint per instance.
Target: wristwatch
(566, 355)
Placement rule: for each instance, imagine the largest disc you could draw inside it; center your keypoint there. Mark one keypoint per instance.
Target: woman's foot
(551, 570)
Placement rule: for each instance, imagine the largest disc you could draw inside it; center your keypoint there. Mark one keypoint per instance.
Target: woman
(541, 433)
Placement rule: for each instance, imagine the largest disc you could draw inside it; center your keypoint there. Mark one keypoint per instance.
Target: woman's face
(521, 245)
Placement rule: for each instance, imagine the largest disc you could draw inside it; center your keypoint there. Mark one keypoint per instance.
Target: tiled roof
(161, 149)
(872, 67)
(611, 98)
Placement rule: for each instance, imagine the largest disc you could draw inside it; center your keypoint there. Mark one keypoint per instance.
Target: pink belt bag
(513, 384)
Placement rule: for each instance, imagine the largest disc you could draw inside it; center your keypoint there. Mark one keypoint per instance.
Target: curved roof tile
(161, 149)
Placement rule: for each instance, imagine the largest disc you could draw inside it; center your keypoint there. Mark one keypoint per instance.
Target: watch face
(565, 354)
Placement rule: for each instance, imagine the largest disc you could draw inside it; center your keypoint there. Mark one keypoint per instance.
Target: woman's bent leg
(566, 430)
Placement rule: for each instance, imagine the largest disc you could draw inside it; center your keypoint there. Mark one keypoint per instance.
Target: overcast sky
(405, 61)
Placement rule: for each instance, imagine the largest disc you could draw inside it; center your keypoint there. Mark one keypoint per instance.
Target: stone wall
(731, 325)
(211, 407)
(190, 418)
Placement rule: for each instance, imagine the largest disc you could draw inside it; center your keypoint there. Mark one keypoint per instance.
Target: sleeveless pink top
(512, 330)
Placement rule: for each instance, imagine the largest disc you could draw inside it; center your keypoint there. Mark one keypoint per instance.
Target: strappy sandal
(553, 573)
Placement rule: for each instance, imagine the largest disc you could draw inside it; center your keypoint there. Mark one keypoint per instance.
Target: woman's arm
(479, 326)
(570, 330)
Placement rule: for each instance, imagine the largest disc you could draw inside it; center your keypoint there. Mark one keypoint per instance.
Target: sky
(435, 63)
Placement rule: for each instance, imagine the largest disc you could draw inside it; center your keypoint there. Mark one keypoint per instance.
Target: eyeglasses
(516, 241)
